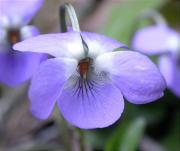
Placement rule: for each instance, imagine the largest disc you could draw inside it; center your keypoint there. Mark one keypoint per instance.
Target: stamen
(13, 36)
(84, 66)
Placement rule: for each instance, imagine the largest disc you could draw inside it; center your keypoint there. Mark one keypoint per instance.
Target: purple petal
(29, 31)
(91, 107)
(99, 44)
(17, 67)
(58, 45)
(20, 10)
(134, 74)
(47, 84)
(155, 39)
(169, 67)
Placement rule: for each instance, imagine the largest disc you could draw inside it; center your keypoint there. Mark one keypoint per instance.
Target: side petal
(99, 44)
(168, 65)
(29, 31)
(58, 45)
(47, 84)
(19, 10)
(18, 67)
(155, 40)
(134, 74)
(87, 105)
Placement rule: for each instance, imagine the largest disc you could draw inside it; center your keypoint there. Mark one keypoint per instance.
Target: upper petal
(156, 39)
(17, 67)
(58, 45)
(47, 84)
(134, 74)
(99, 44)
(85, 104)
(20, 11)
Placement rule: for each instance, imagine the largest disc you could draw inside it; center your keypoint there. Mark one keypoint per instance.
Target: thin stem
(152, 14)
(74, 21)
(62, 18)
(72, 15)
(147, 14)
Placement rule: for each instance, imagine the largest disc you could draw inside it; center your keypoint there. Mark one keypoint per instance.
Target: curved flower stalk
(164, 41)
(17, 67)
(89, 86)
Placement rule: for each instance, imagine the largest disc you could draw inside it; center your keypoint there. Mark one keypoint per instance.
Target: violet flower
(17, 67)
(89, 87)
(163, 41)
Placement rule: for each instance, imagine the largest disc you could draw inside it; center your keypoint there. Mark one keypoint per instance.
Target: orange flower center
(84, 66)
(13, 36)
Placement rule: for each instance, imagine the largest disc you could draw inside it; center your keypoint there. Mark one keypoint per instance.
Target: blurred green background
(149, 127)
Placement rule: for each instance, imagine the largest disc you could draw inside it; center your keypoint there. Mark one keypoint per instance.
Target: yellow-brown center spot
(84, 67)
(13, 36)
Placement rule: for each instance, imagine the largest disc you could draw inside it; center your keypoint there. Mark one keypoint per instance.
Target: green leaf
(121, 19)
(133, 135)
(115, 139)
(172, 139)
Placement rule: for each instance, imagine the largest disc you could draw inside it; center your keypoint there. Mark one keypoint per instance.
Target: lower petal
(91, 104)
(47, 84)
(134, 74)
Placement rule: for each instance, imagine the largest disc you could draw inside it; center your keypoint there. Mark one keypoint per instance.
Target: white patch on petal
(3, 34)
(28, 31)
(104, 64)
(76, 50)
(71, 65)
(174, 42)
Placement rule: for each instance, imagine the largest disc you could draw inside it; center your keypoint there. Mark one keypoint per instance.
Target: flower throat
(84, 67)
(13, 36)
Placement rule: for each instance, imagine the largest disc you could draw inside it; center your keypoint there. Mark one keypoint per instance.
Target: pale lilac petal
(29, 31)
(2, 40)
(91, 107)
(155, 39)
(47, 84)
(58, 45)
(169, 67)
(134, 74)
(19, 10)
(17, 67)
(3, 35)
(99, 44)
(166, 67)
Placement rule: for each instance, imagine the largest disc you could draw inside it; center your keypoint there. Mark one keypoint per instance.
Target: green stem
(72, 15)
(152, 14)
(74, 21)
(147, 14)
